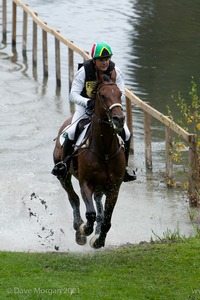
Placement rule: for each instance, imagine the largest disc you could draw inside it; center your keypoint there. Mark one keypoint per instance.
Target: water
(166, 47)
(36, 215)
(155, 43)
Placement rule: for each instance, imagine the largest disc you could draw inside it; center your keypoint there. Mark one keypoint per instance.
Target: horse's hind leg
(75, 203)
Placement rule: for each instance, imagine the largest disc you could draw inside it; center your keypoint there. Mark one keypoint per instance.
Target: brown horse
(99, 165)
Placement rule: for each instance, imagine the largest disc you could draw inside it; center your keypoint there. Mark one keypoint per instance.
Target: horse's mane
(102, 79)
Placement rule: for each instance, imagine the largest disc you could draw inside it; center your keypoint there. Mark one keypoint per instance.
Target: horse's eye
(102, 97)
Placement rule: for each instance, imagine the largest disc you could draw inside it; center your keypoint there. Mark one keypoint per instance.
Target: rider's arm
(77, 87)
(120, 83)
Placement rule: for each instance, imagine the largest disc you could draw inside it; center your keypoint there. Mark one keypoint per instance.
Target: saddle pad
(80, 138)
(63, 135)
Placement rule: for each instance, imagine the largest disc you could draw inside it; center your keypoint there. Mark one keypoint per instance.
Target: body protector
(90, 76)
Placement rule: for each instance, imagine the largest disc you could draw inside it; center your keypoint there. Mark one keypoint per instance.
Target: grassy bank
(149, 271)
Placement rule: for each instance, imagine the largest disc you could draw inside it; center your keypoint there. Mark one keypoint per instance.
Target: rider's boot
(61, 168)
(129, 175)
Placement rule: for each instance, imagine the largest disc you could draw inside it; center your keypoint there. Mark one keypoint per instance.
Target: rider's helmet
(101, 50)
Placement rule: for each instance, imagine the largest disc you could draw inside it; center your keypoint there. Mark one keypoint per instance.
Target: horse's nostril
(118, 121)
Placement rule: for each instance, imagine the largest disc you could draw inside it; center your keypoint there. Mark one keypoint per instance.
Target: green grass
(150, 271)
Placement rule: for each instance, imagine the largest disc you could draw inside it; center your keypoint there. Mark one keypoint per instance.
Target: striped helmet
(101, 50)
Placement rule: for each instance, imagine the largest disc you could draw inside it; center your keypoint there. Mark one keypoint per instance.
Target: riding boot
(61, 168)
(128, 176)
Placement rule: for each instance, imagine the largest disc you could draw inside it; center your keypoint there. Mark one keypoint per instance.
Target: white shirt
(79, 83)
(81, 102)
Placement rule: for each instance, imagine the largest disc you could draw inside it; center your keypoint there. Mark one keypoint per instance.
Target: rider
(80, 94)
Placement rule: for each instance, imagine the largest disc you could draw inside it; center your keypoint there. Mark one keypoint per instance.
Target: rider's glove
(90, 104)
(90, 107)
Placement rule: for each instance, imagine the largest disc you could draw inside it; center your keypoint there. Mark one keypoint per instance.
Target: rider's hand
(90, 107)
(90, 104)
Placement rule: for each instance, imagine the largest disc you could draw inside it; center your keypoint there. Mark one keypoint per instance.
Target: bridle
(107, 121)
(107, 109)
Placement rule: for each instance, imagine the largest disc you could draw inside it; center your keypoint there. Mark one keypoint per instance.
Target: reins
(108, 110)
(68, 127)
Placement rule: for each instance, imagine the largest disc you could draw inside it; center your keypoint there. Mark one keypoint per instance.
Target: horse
(98, 165)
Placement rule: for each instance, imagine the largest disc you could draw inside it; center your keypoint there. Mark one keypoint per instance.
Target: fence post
(147, 138)
(45, 53)
(34, 43)
(168, 152)
(57, 53)
(193, 171)
(14, 23)
(24, 38)
(4, 22)
(129, 121)
(71, 66)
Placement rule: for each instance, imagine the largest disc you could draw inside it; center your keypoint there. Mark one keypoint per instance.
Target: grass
(148, 271)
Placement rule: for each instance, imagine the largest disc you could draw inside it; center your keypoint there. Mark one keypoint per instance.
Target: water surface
(156, 44)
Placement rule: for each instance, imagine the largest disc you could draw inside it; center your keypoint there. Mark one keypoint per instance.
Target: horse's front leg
(111, 199)
(100, 212)
(90, 214)
(75, 204)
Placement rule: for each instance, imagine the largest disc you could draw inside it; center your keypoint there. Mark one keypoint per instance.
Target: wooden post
(57, 54)
(129, 121)
(24, 38)
(168, 152)
(14, 23)
(71, 66)
(193, 171)
(147, 138)
(34, 43)
(45, 53)
(4, 17)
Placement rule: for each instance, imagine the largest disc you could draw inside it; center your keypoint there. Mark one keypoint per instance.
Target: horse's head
(108, 107)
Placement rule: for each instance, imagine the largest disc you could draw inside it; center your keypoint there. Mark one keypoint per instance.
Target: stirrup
(129, 176)
(59, 169)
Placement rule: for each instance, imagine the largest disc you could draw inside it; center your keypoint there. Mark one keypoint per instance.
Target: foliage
(189, 113)
(168, 235)
(189, 120)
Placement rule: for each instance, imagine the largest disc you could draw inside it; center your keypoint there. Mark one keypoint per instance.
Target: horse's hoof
(81, 229)
(93, 243)
(85, 230)
(80, 239)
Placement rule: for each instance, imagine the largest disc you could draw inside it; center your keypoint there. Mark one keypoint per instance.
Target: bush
(189, 119)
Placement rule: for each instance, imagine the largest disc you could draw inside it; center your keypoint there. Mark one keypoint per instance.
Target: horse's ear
(100, 78)
(106, 77)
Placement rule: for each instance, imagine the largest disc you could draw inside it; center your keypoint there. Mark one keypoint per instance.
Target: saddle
(80, 127)
(81, 136)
